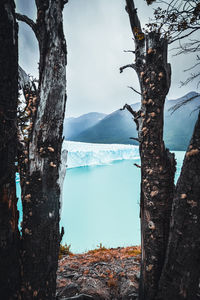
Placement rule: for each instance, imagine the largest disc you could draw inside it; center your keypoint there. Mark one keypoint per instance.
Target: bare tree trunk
(181, 273)
(157, 163)
(9, 234)
(157, 167)
(42, 159)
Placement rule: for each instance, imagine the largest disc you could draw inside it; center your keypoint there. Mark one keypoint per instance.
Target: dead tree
(40, 159)
(181, 272)
(9, 234)
(157, 163)
(170, 254)
(179, 20)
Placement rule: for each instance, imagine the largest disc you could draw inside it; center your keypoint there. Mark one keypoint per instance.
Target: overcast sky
(97, 32)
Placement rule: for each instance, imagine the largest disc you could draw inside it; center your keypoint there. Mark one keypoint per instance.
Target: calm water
(101, 205)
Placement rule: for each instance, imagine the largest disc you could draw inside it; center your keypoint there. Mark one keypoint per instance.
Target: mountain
(119, 126)
(116, 127)
(179, 126)
(74, 126)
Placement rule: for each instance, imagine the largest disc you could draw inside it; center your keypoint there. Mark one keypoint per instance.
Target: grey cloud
(97, 32)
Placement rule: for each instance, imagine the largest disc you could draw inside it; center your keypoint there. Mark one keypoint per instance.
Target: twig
(129, 108)
(130, 87)
(129, 51)
(177, 37)
(62, 233)
(135, 139)
(138, 166)
(182, 102)
(127, 66)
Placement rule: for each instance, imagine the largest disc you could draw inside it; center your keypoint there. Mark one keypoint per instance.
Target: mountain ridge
(119, 126)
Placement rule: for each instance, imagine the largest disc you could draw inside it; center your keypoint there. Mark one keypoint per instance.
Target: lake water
(101, 204)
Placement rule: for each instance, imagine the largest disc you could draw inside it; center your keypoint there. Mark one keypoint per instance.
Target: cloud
(97, 32)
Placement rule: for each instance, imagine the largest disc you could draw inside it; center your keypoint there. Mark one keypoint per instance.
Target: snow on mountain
(87, 154)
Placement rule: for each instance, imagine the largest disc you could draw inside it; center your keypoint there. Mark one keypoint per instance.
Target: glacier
(88, 154)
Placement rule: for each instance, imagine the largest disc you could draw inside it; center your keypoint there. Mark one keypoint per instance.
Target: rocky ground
(101, 274)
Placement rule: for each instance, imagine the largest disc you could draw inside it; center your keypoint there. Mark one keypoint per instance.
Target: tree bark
(181, 273)
(157, 163)
(41, 161)
(9, 234)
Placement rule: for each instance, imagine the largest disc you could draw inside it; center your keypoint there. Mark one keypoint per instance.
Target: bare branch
(29, 22)
(135, 139)
(130, 87)
(133, 66)
(191, 78)
(182, 102)
(138, 166)
(129, 108)
(178, 38)
(193, 67)
(131, 51)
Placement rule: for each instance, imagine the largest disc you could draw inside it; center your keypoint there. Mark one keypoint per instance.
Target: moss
(64, 250)
(100, 248)
(134, 252)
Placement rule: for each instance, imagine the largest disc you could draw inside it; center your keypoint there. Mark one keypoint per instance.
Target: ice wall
(86, 154)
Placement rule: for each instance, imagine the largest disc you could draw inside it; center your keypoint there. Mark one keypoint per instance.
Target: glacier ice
(87, 154)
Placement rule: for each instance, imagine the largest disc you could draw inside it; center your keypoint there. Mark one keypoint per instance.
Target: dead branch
(127, 66)
(135, 139)
(178, 37)
(181, 103)
(129, 108)
(138, 166)
(29, 22)
(131, 51)
(130, 87)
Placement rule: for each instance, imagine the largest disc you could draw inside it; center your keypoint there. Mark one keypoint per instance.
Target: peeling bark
(157, 163)
(9, 234)
(40, 165)
(181, 274)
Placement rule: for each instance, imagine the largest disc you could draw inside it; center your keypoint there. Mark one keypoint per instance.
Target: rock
(128, 288)
(133, 296)
(69, 290)
(96, 288)
(102, 274)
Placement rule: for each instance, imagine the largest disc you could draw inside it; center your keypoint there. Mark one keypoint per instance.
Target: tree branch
(29, 22)
(129, 108)
(182, 102)
(133, 66)
(138, 166)
(131, 51)
(178, 38)
(134, 20)
(130, 87)
(135, 139)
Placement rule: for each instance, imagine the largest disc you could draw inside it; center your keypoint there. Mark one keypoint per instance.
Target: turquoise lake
(101, 205)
